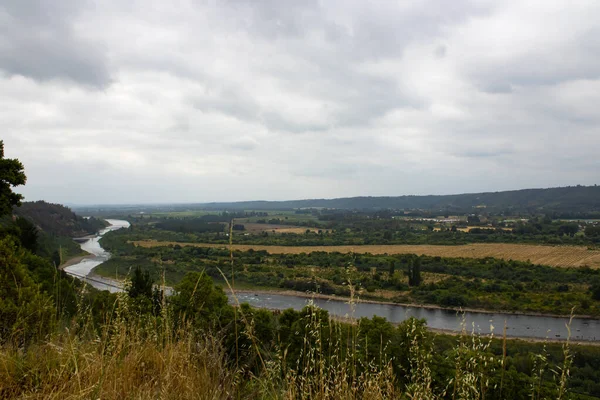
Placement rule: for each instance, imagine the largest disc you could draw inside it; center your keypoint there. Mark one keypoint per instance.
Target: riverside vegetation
(487, 283)
(347, 227)
(62, 339)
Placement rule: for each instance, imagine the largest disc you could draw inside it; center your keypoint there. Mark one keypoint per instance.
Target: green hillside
(58, 220)
(571, 200)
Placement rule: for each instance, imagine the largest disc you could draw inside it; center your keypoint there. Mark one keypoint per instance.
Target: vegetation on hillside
(571, 201)
(58, 220)
(48, 229)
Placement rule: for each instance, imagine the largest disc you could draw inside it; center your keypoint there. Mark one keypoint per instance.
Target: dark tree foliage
(147, 298)
(27, 233)
(595, 290)
(141, 284)
(24, 311)
(58, 220)
(414, 272)
(11, 175)
(197, 299)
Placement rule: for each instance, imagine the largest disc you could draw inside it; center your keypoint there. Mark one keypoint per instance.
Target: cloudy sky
(115, 101)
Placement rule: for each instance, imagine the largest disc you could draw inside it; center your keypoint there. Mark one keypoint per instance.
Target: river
(525, 326)
(83, 269)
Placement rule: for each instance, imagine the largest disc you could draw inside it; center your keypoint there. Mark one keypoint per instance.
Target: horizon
(303, 199)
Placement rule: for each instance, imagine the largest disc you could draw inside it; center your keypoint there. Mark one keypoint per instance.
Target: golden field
(555, 256)
(275, 228)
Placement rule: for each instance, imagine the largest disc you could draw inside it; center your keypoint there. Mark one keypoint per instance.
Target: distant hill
(58, 220)
(575, 200)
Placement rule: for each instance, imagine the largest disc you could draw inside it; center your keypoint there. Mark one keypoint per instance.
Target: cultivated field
(274, 228)
(555, 256)
(468, 228)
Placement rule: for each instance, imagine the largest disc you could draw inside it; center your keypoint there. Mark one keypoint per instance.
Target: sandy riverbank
(75, 260)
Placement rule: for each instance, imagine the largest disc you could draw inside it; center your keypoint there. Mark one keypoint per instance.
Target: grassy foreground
(137, 355)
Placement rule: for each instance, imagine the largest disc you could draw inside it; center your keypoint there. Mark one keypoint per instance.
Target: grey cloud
(244, 143)
(521, 74)
(497, 87)
(322, 169)
(274, 18)
(235, 99)
(230, 101)
(369, 30)
(328, 72)
(40, 43)
(484, 153)
(440, 51)
(275, 121)
(545, 66)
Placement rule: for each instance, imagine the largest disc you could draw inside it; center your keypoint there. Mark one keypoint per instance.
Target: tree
(473, 220)
(199, 300)
(414, 272)
(417, 272)
(143, 293)
(25, 312)
(11, 175)
(27, 233)
(141, 284)
(595, 290)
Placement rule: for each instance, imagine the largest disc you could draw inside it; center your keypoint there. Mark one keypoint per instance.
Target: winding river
(83, 269)
(526, 326)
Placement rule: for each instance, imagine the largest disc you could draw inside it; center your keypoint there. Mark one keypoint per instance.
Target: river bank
(75, 260)
(518, 326)
(286, 292)
(82, 266)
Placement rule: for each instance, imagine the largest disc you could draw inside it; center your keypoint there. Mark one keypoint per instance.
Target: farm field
(468, 228)
(276, 228)
(555, 256)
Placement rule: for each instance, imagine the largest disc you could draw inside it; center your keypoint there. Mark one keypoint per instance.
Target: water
(83, 269)
(517, 325)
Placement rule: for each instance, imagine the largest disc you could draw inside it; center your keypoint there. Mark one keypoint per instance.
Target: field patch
(554, 256)
(276, 228)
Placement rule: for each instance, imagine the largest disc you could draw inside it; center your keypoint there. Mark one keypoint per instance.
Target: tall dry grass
(131, 357)
(143, 357)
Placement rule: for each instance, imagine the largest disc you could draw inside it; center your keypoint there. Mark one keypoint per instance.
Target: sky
(192, 101)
